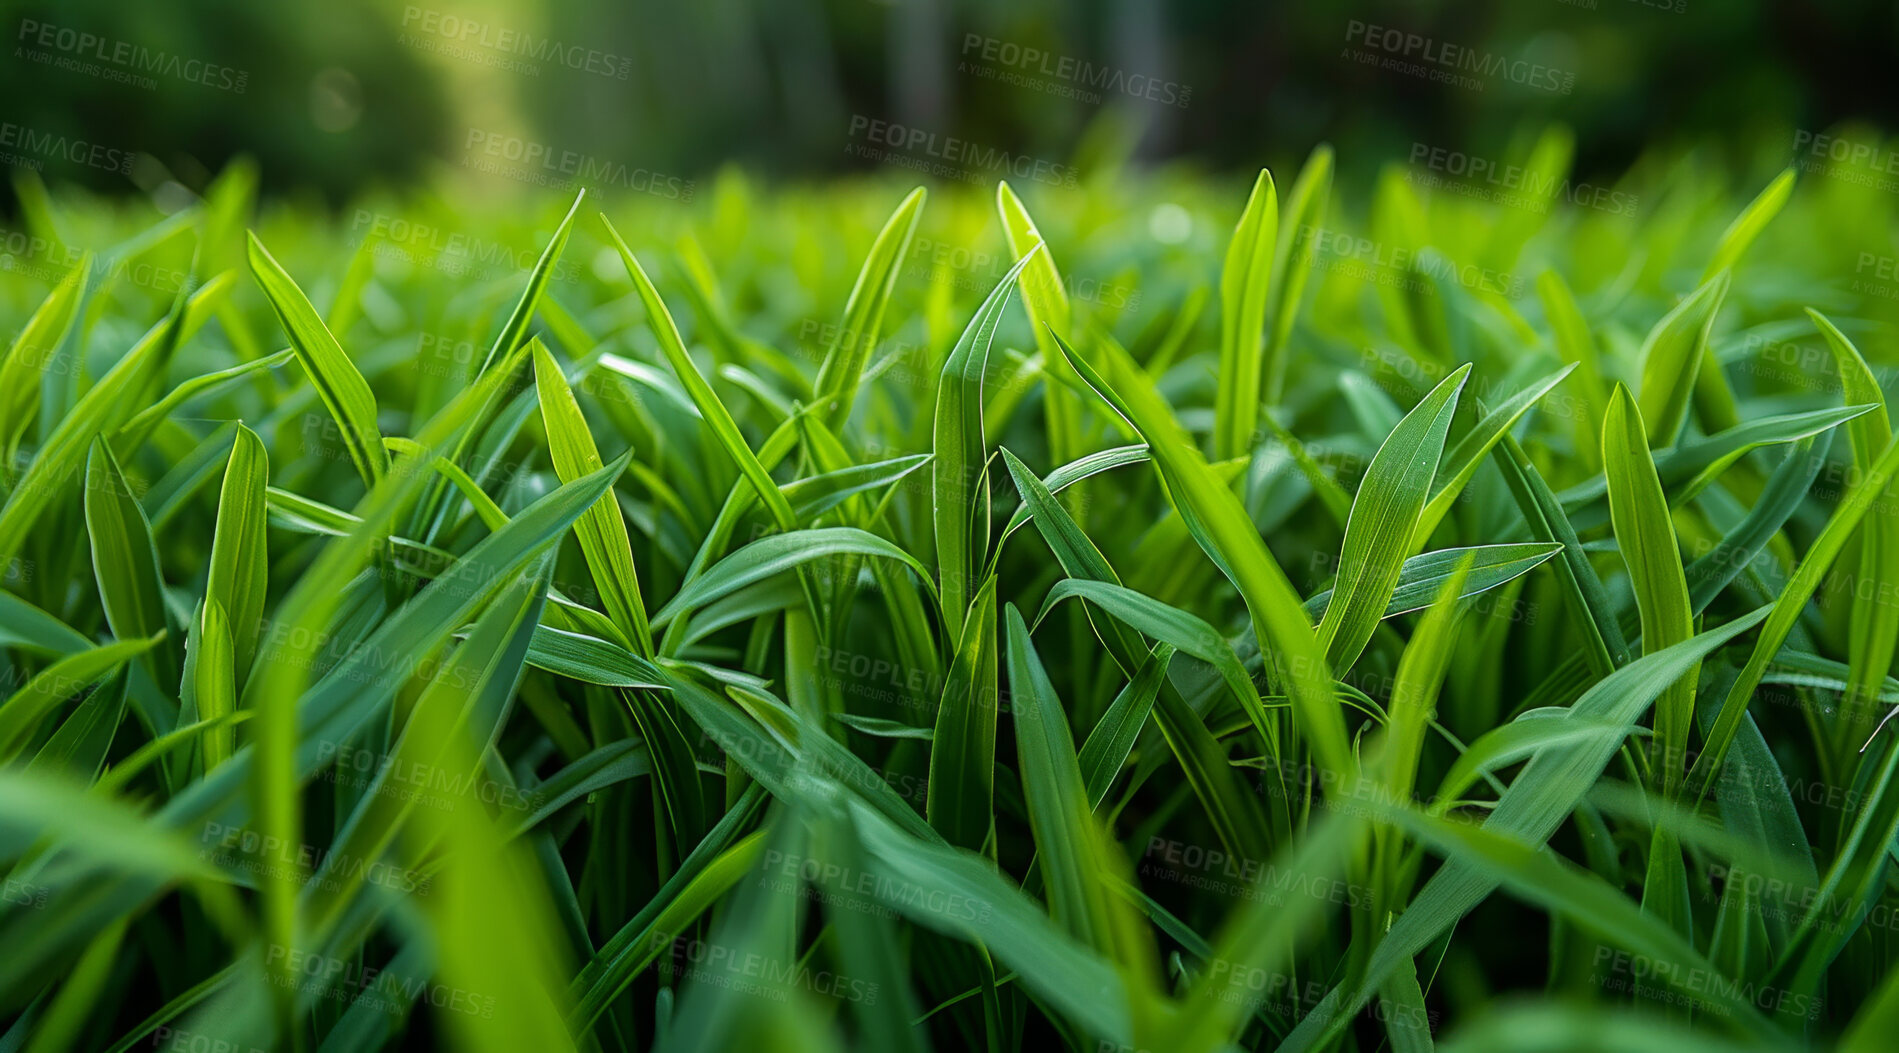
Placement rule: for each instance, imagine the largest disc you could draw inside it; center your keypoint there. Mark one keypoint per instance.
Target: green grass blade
(514, 331)
(31, 352)
(1673, 354)
(1875, 625)
(961, 791)
(240, 559)
(716, 416)
(1113, 737)
(337, 380)
(1244, 287)
(959, 481)
(1537, 802)
(1583, 594)
(1787, 608)
(1425, 573)
(106, 405)
(1645, 536)
(602, 531)
(125, 559)
(1747, 226)
(1220, 525)
(843, 365)
(1045, 299)
(210, 687)
(1292, 265)
(1461, 463)
(777, 554)
(1385, 519)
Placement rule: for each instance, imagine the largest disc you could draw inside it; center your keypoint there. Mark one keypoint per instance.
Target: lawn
(1360, 609)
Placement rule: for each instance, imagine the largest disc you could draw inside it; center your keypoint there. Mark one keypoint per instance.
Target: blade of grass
(1244, 287)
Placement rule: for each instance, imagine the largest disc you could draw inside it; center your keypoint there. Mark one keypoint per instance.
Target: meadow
(1446, 604)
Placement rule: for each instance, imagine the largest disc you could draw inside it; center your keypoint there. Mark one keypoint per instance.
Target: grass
(1141, 615)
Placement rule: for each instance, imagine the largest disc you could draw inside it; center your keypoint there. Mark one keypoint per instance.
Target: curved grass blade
(1169, 625)
(337, 380)
(1071, 473)
(1672, 356)
(239, 570)
(592, 660)
(1244, 286)
(1219, 524)
(711, 410)
(1645, 537)
(125, 559)
(135, 431)
(1536, 803)
(1077, 861)
(959, 482)
(1425, 573)
(27, 627)
(776, 554)
(514, 331)
(1547, 880)
(1875, 625)
(1113, 737)
(1384, 520)
(1045, 299)
(843, 366)
(602, 531)
(1292, 265)
(1787, 608)
(1747, 226)
(1604, 646)
(32, 351)
(107, 404)
(1062, 972)
(1235, 816)
(712, 868)
(1461, 464)
(960, 798)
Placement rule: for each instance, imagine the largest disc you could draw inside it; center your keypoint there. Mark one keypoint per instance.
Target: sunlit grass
(831, 618)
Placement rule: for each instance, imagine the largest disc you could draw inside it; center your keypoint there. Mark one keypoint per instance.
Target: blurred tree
(323, 94)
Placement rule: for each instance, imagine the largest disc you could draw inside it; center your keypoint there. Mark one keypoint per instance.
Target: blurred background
(338, 97)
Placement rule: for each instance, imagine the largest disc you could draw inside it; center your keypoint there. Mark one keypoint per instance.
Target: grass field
(1143, 612)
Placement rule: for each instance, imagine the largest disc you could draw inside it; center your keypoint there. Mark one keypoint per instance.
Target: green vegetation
(1137, 615)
